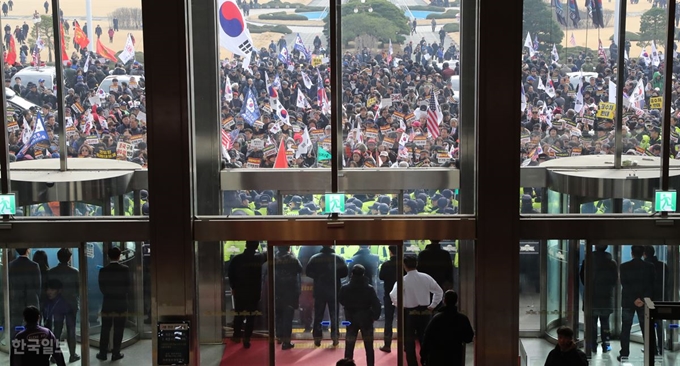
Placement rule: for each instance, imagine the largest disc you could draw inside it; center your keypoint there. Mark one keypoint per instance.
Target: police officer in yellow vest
(294, 206)
(244, 206)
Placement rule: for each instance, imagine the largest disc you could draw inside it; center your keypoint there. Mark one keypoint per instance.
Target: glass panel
(105, 108)
(530, 309)
(569, 82)
(47, 279)
(609, 318)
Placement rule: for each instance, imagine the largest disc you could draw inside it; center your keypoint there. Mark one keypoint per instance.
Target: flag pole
(587, 28)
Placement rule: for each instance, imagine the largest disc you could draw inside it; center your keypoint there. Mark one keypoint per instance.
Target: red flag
(105, 52)
(80, 37)
(64, 55)
(11, 55)
(281, 157)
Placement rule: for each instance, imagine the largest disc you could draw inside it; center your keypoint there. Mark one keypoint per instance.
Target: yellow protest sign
(656, 102)
(317, 60)
(606, 110)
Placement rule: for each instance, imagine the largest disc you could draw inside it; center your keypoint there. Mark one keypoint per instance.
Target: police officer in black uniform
(388, 274)
(286, 293)
(245, 278)
(326, 269)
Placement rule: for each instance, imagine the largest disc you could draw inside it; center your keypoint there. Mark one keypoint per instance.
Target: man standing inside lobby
(114, 283)
(417, 305)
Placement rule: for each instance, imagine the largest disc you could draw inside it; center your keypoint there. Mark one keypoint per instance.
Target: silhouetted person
(362, 308)
(307, 297)
(446, 335)
(603, 280)
(245, 272)
(637, 282)
(25, 287)
(370, 262)
(662, 289)
(418, 305)
(388, 274)
(287, 293)
(114, 283)
(69, 278)
(326, 269)
(35, 345)
(566, 353)
(437, 262)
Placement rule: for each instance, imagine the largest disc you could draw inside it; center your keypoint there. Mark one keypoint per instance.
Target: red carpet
(304, 353)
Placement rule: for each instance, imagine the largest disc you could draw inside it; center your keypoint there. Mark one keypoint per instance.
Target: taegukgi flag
(234, 34)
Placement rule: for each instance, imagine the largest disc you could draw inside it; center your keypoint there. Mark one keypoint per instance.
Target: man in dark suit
(663, 291)
(637, 282)
(245, 279)
(114, 283)
(326, 269)
(370, 262)
(388, 274)
(437, 262)
(70, 292)
(25, 287)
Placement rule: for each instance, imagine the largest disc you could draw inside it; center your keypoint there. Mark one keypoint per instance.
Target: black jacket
(287, 270)
(361, 303)
(115, 285)
(637, 281)
(605, 275)
(572, 357)
(388, 274)
(437, 262)
(370, 262)
(662, 280)
(326, 269)
(445, 337)
(70, 281)
(245, 271)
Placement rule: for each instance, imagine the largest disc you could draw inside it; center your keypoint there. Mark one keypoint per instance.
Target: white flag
(523, 106)
(306, 80)
(541, 86)
(530, 45)
(550, 89)
(87, 63)
(301, 100)
(228, 92)
(645, 56)
(612, 92)
(128, 52)
(234, 34)
(555, 55)
(578, 103)
(656, 61)
(26, 133)
(638, 93)
(304, 146)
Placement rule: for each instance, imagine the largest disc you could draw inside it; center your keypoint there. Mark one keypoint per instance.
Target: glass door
(48, 278)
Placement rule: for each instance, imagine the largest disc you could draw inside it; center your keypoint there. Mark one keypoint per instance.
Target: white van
(18, 102)
(574, 77)
(34, 74)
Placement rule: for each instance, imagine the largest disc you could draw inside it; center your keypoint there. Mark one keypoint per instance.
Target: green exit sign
(8, 204)
(335, 203)
(665, 201)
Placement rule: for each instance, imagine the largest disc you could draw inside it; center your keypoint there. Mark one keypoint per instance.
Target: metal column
(497, 256)
(173, 273)
(84, 304)
(467, 105)
(207, 159)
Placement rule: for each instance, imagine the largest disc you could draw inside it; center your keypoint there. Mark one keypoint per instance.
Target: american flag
(434, 117)
(600, 50)
(229, 138)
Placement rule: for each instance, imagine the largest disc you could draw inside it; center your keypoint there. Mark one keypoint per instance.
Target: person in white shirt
(418, 305)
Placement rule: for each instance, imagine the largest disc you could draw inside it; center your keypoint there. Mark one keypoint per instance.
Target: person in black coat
(306, 297)
(25, 287)
(566, 353)
(662, 289)
(604, 279)
(362, 308)
(286, 293)
(326, 269)
(446, 335)
(70, 292)
(388, 274)
(370, 262)
(437, 262)
(114, 283)
(637, 282)
(246, 283)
